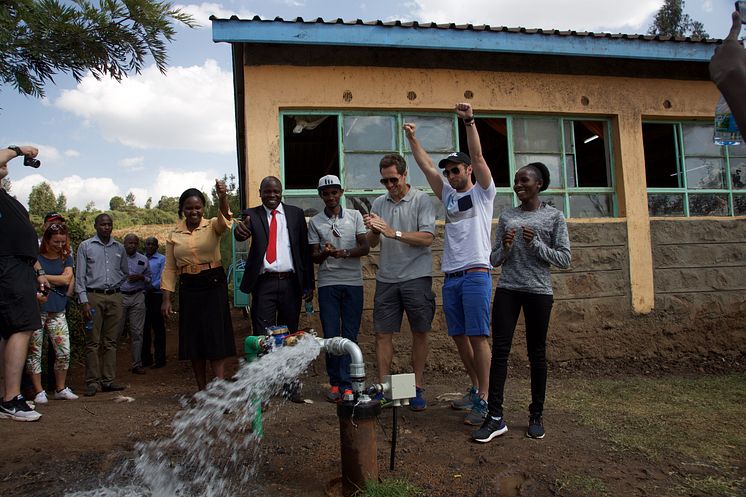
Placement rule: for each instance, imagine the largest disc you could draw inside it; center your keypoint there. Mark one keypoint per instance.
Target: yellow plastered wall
(270, 89)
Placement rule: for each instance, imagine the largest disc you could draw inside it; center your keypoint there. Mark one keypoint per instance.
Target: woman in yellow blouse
(193, 254)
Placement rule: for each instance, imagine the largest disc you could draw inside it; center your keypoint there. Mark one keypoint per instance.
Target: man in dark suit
(279, 270)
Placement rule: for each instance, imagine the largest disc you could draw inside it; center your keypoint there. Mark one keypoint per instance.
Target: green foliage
(169, 204)
(61, 203)
(129, 200)
(672, 21)
(41, 200)
(149, 203)
(116, 203)
(41, 38)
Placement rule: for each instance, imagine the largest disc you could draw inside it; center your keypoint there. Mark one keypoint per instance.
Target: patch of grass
(699, 419)
(390, 488)
(713, 486)
(581, 485)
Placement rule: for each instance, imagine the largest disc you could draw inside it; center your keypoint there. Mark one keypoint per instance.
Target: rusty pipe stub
(357, 435)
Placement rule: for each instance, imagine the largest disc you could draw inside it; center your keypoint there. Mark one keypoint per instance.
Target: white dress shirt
(284, 261)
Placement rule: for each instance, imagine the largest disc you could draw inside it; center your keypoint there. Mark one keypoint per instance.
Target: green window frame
(565, 195)
(710, 179)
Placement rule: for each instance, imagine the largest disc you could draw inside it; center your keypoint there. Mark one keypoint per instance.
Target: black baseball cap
(53, 216)
(457, 157)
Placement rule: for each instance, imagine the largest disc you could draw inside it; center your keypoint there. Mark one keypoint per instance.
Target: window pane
(591, 154)
(415, 175)
(661, 166)
(310, 149)
(739, 205)
(596, 205)
(311, 205)
(666, 204)
(556, 201)
(493, 134)
(738, 173)
(705, 173)
(369, 133)
(570, 171)
(698, 141)
(551, 161)
(503, 202)
(434, 133)
(708, 205)
(569, 148)
(361, 172)
(536, 135)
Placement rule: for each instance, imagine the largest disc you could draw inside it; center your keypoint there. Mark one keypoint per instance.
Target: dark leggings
(506, 307)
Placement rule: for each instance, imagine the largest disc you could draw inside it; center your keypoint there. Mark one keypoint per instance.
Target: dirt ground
(77, 444)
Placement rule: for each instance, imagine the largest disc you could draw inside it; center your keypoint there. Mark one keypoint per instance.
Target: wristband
(469, 121)
(16, 149)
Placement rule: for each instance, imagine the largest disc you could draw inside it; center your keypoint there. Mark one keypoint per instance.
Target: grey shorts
(415, 296)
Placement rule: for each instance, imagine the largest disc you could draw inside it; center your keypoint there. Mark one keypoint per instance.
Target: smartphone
(741, 8)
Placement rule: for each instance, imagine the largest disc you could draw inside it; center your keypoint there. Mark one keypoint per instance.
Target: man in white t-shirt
(467, 288)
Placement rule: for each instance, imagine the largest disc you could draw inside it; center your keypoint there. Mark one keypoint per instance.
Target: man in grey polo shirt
(338, 239)
(101, 270)
(403, 223)
(133, 298)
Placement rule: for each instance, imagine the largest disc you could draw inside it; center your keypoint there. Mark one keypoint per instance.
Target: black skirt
(205, 327)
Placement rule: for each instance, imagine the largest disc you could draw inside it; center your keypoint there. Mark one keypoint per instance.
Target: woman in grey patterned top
(530, 238)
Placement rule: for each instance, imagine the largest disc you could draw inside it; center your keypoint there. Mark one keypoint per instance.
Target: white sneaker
(41, 398)
(65, 394)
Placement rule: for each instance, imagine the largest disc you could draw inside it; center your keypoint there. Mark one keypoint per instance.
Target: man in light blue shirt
(101, 270)
(153, 301)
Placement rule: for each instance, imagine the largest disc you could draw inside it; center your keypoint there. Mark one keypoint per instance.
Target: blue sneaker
(418, 403)
(477, 414)
(465, 402)
(490, 429)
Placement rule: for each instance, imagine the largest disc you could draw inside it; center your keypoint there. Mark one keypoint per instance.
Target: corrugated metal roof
(472, 27)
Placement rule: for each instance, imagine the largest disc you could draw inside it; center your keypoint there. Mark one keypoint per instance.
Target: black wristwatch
(16, 149)
(40, 272)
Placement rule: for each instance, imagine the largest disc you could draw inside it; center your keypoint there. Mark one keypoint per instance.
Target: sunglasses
(454, 171)
(56, 227)
(386, 181)
(335, 230)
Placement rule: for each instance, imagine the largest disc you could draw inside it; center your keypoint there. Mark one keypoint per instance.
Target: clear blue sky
(157, 135)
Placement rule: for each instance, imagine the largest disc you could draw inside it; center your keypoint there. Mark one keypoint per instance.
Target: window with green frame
(688, 175)
(576, 151)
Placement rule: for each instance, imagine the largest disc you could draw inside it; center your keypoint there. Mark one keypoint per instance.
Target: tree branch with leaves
(42, 38)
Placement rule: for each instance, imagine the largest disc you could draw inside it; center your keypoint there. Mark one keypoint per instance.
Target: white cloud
(579, 15)
(72, 153)
(79, 191)
(707, 5)
(133, 163)
(172, 183)
(190, 108)
(202, 12)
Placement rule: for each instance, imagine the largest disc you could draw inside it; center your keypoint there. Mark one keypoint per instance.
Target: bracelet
(16, 149)
(40, 272)
(469, 121)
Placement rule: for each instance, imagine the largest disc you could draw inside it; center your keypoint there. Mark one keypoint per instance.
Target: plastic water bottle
(309, 308)
(726, 129)
(89, 323)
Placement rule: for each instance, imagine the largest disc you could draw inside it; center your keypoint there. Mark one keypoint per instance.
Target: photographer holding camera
(21, 277)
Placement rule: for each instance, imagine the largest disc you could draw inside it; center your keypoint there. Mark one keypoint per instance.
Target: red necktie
(272, 246)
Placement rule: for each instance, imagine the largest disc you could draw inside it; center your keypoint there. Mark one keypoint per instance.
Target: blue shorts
(466, 304)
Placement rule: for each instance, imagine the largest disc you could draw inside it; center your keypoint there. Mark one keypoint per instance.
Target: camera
(31, 162)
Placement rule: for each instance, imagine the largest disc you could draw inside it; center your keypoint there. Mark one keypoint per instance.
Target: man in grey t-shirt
(403, 223)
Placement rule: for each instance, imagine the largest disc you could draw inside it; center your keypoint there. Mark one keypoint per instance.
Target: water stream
(212, 450)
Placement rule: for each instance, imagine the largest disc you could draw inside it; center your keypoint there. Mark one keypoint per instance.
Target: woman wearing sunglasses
(56, 260)
(530, 238)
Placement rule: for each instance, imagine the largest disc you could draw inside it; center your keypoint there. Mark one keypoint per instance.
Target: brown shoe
(138, 370)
